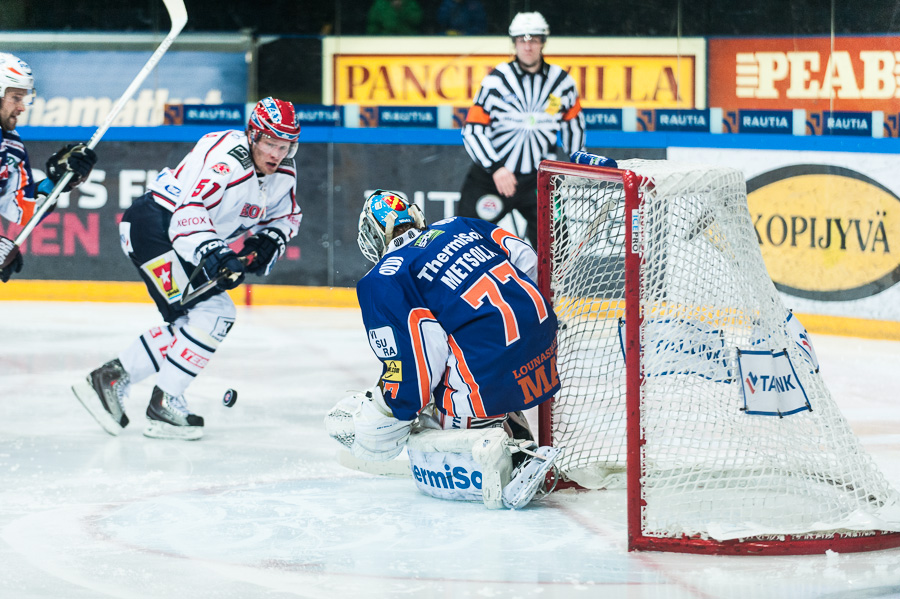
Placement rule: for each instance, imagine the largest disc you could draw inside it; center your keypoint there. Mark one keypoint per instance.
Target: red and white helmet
(277, 119)
(15, 72)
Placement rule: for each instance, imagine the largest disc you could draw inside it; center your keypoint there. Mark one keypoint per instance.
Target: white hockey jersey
(215, 193)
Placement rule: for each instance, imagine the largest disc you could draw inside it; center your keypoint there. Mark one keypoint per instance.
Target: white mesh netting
(709, 468)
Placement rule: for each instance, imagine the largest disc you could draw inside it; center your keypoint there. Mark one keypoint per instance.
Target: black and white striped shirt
(516, 117)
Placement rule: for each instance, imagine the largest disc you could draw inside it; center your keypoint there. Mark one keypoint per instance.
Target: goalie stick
(178, 17)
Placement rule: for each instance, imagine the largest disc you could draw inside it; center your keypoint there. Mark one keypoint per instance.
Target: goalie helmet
(382, 213)
(15, 72)
(529, 24)
(277, 119)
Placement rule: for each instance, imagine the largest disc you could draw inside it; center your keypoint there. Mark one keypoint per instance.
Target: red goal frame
(783, 545)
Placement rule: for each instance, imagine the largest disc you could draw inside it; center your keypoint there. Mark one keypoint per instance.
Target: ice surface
(260, 507)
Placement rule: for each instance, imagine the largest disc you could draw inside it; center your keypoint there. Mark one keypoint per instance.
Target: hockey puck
(229, 398)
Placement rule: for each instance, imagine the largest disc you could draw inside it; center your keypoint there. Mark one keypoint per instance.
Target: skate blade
(522, 489)
(156, 429)
(85, 394)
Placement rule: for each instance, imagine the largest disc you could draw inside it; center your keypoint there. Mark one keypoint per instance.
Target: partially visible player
(19, 193)
(522, 107)
(466, 342)
(177, 235)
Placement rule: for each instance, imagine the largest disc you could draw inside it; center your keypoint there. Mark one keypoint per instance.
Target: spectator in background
(394, 17)
(462, 17)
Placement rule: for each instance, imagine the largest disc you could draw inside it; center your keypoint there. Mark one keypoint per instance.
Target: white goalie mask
(382, 212)
(15, 73)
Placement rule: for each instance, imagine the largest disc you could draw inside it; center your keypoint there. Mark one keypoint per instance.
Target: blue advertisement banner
(603, 119)
(78, 88)
(847, 123)
(765, 121)
(320, 115)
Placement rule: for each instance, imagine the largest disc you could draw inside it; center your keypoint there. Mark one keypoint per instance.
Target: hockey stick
(223, 274)
(178, 17)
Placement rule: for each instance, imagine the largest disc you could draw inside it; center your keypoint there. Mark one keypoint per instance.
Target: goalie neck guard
(277, 119)
(16, 73)
(382, 213)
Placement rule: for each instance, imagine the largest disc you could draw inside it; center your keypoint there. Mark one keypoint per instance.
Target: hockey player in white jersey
(20, 194)
(177, 235)
(466, 342)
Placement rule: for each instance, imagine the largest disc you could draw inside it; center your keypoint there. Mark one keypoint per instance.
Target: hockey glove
(77, 158)
(219, 261)
(269, 245)
(10, 258)
(378, 436)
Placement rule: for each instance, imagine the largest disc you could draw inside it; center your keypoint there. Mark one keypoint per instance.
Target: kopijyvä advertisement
(827, 223)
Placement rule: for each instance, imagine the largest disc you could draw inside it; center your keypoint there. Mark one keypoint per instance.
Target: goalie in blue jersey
(466, 342)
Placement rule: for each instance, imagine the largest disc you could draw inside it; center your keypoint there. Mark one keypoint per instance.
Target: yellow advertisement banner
(648, 82)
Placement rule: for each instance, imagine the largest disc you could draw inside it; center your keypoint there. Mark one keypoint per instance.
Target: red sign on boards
(855, 74)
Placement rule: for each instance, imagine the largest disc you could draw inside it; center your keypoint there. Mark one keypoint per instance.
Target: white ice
(260, 507)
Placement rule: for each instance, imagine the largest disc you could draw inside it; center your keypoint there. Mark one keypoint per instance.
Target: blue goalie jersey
(454, 315)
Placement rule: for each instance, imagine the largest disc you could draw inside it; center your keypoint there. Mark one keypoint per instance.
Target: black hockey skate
(168, 417)
(102, 394)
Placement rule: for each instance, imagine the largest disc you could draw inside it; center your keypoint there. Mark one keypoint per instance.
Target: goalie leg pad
(461, 465)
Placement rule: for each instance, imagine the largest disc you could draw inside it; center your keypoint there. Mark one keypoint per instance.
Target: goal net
(684, 376)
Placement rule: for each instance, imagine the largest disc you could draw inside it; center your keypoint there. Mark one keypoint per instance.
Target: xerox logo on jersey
(221, 168)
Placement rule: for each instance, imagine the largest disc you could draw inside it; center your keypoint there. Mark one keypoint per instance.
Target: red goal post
(669, 329)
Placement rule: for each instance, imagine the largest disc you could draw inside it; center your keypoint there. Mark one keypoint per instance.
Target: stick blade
(177, 13)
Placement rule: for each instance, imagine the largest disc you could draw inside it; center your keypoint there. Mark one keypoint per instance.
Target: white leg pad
(494, 455)
(461, 465)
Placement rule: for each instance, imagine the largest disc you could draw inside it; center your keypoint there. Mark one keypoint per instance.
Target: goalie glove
(364, 423)
(269, 245)
(77, 158)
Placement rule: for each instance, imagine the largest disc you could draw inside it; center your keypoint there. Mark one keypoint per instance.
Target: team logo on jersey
(393, 371)
(390, 266)
(383, 342)
(554, 104)
(242, 155)
(221, 168)
(425, 238)
(167, 274)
